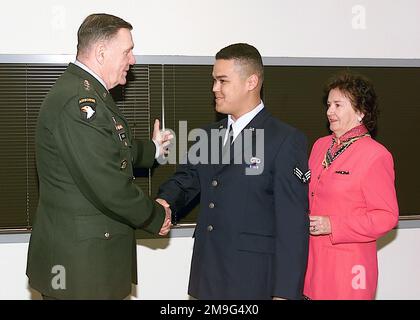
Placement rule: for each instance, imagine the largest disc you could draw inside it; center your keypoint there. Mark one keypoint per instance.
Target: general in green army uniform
(83, 243)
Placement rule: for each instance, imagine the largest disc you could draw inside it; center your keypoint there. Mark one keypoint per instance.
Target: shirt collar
(242, 121)
(84, 67)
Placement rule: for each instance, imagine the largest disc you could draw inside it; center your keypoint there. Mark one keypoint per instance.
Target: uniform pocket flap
(256, 243)
(99, 226)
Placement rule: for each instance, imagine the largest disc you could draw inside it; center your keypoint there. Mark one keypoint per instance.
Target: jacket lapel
(238, 152)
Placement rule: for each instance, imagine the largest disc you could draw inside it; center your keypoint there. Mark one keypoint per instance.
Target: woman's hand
(319, 225)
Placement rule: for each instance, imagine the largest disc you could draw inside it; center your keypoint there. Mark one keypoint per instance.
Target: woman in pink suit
(352, 196)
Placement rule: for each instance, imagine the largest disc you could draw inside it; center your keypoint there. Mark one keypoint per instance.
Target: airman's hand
(167, 223)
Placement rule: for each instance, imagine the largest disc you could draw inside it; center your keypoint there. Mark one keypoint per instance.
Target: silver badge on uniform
(254, 162)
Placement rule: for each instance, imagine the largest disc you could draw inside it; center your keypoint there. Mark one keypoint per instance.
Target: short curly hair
(359, 90)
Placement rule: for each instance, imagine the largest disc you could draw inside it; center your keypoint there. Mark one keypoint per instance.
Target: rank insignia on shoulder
(87, 108)
(303, 177)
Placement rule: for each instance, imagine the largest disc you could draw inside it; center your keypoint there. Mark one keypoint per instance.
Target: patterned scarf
(339, 145)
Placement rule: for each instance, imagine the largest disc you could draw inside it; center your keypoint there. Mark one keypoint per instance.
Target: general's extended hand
(162, 138)
(166, 227)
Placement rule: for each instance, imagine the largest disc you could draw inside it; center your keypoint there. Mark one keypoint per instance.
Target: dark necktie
(229, 139)
(228, 142)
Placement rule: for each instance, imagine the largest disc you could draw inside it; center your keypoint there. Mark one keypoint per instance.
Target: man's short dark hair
(246, 55)
(99, 26)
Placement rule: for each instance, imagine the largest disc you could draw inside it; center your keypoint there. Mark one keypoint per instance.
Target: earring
(359, 118)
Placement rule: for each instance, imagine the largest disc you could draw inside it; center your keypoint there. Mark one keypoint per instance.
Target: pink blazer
(357, 192)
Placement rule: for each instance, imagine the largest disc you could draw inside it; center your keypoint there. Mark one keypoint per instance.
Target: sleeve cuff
(156, 219)
(157, 148)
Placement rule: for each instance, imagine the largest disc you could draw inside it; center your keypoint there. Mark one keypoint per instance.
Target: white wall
(279, 28)
(399, 265)
(164, 266)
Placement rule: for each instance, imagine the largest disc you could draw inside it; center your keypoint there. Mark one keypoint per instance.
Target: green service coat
(83, 243)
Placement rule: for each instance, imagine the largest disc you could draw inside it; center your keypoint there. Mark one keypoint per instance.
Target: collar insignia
(86, 84)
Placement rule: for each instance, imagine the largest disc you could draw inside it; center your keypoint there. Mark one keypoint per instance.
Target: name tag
(122, 136)
(342, 172)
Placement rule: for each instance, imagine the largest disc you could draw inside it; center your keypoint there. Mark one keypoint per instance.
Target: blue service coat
(251, 238)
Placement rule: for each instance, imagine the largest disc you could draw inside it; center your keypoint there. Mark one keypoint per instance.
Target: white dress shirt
(84, 67)
(241, 122)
